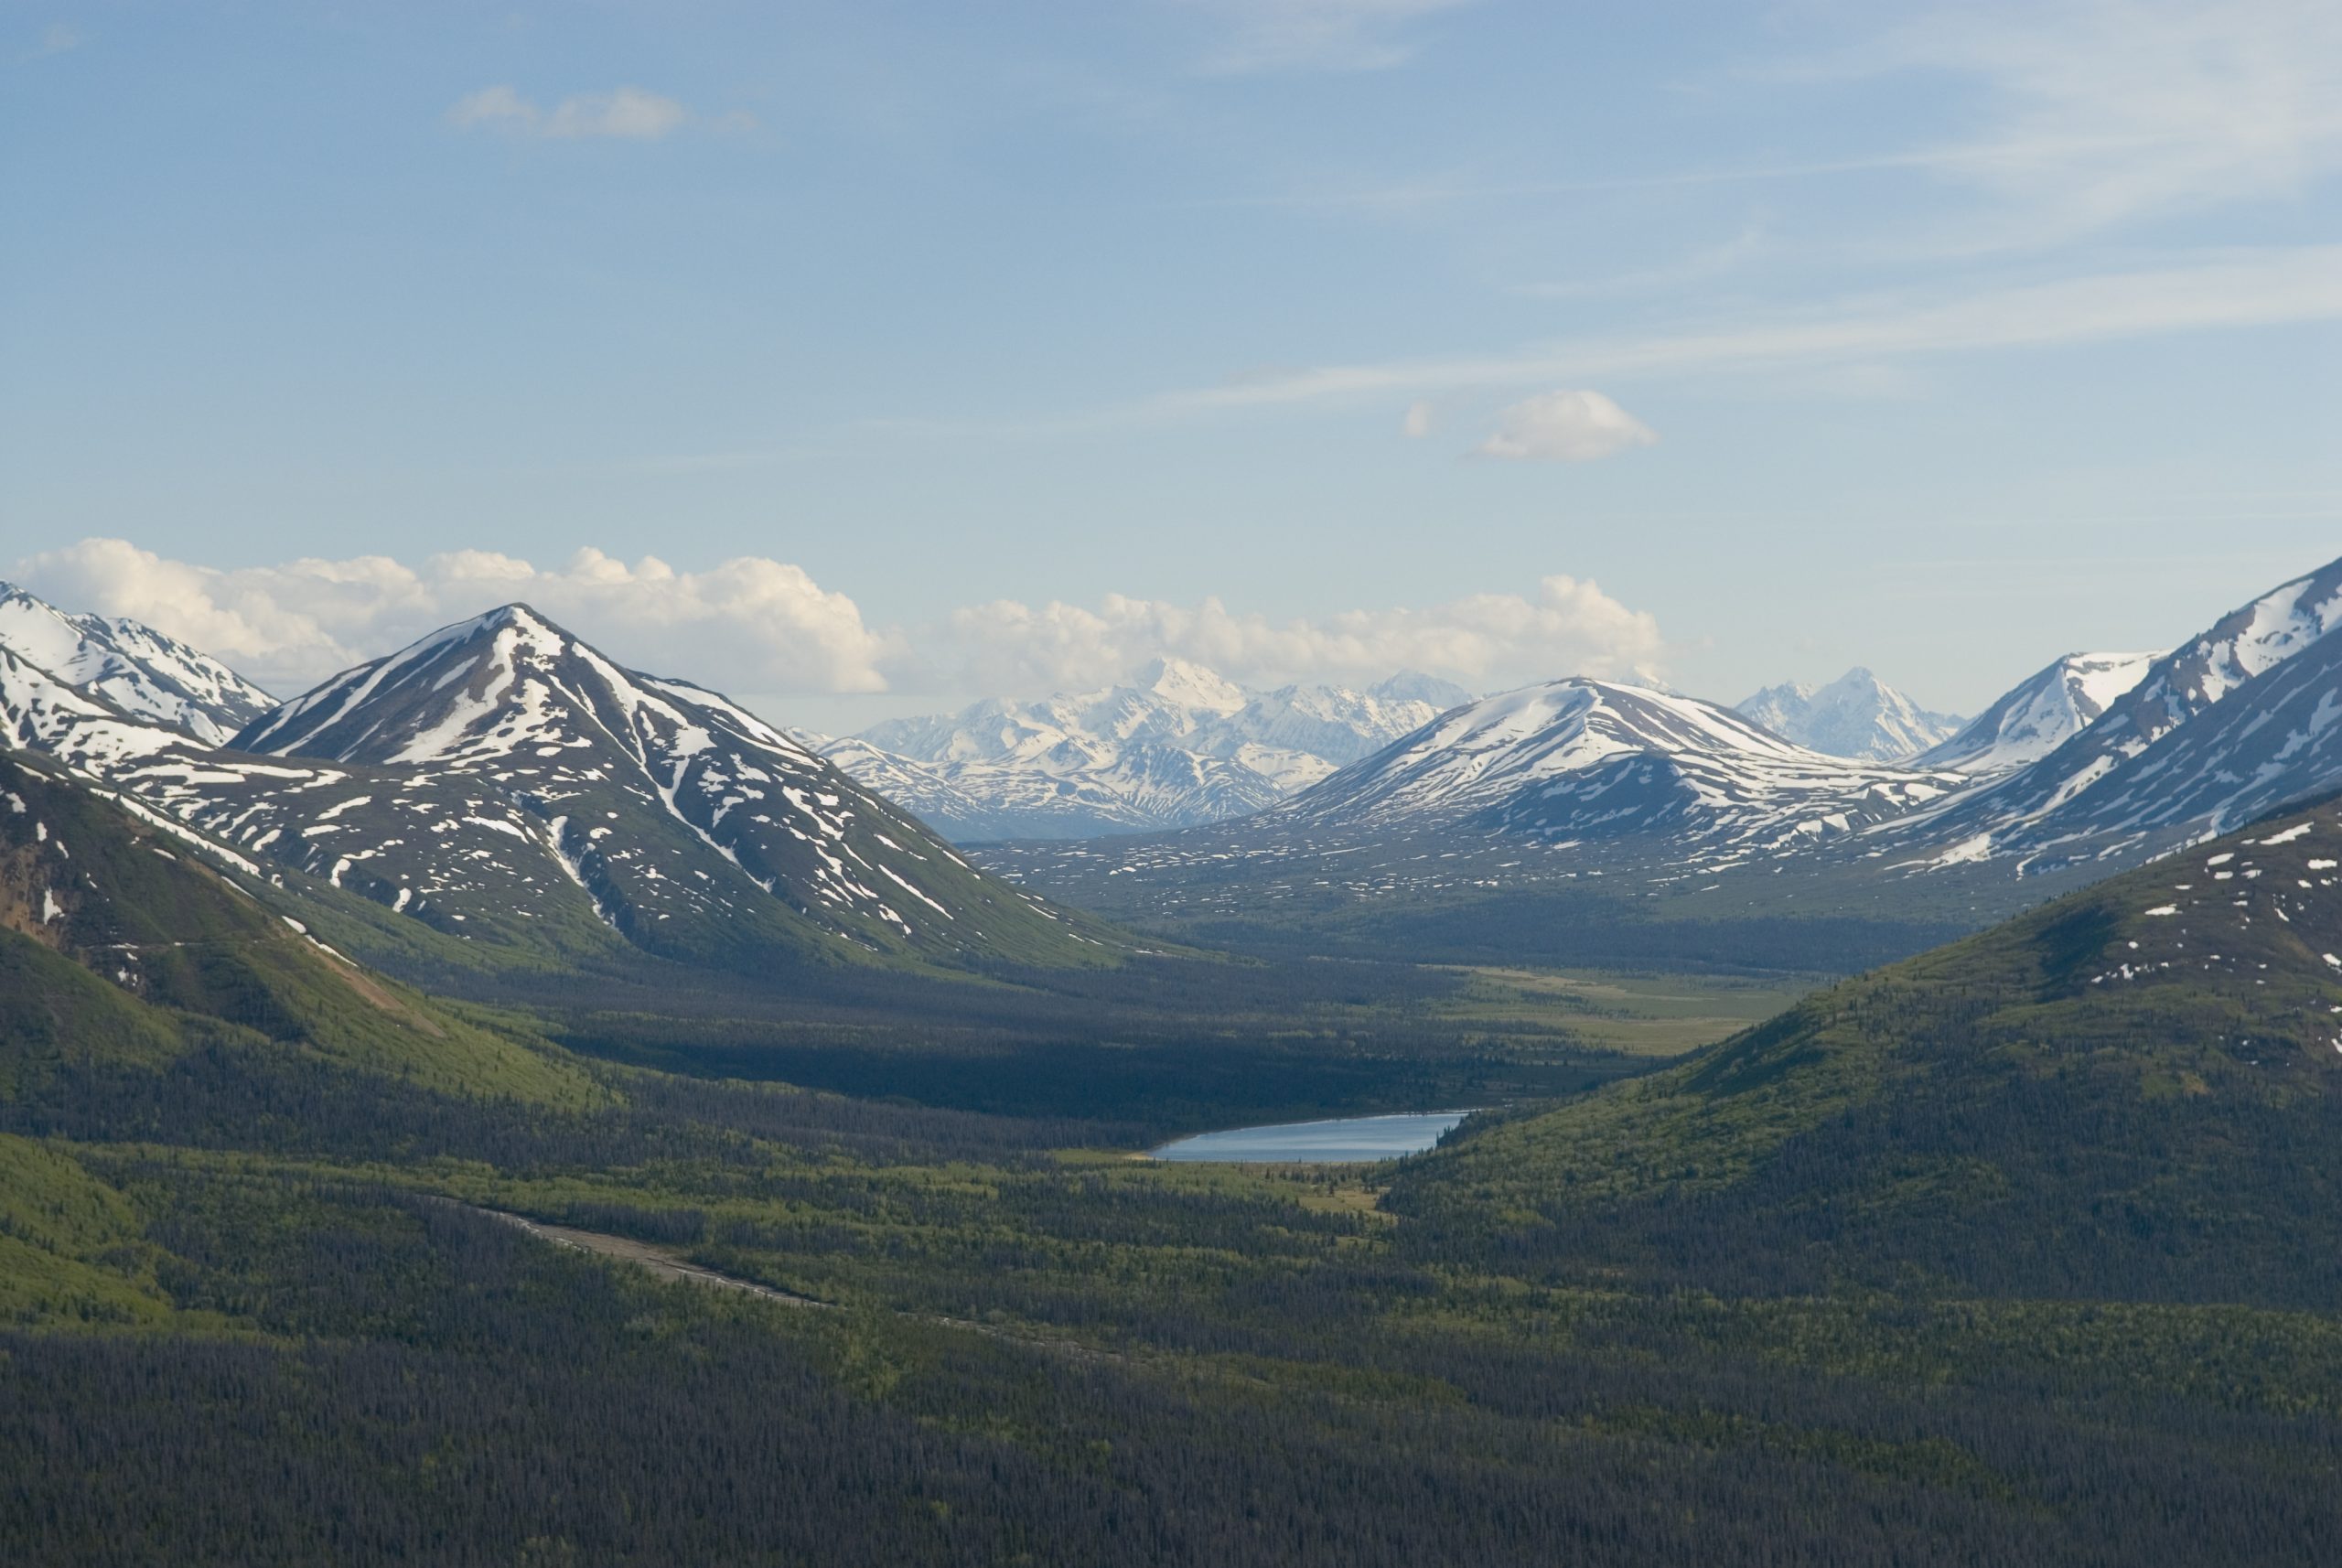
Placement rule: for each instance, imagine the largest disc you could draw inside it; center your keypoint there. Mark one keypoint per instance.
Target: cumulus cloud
(1569, 625)
(1569, 426)
(1418, 421)
(753, 623)
(1317, 35)
(629, 114)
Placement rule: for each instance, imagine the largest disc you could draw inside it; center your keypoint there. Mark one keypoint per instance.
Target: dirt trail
(658, 1260)
(671, 1265)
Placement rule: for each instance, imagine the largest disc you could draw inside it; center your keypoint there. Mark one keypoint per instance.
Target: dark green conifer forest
(2023, 1250)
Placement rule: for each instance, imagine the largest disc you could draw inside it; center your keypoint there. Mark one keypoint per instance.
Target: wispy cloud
(2080, 116)
(2092, 114)
(1317, 35)
(56, 38)
(2246, 289)
(627, 113)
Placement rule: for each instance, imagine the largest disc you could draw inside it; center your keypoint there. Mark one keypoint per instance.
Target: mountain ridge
(139, 671)
(516, 792)
(1583, 758)
(2117, 786)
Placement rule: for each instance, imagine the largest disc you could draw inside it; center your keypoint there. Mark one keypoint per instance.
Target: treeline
(228, 1095)
(1561, 931)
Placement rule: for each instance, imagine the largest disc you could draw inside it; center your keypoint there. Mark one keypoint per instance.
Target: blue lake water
(1346, 1138)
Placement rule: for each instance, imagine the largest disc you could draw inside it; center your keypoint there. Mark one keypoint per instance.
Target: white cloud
(754, 623)
(1566, 426)
(1419, 420)
(1568, 627)
(1317, 35)
(629, 114)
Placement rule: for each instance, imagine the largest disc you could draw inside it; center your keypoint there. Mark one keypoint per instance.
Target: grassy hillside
(120, 946)
(2132, 1091)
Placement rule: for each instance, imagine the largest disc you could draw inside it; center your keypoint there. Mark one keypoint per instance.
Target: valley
(1196, 784)
(1832, 1199)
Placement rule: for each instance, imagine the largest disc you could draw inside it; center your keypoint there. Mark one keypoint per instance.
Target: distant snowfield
(1179, 746)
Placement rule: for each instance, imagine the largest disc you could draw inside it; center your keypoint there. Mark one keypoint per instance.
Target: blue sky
(933, 349)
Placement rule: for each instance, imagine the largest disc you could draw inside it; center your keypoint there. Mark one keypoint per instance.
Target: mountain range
(2095, 763)
(507, 786)
(1176, 746)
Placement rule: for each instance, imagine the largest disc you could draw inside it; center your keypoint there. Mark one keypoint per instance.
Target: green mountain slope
(2134, 1092)
(118, 945)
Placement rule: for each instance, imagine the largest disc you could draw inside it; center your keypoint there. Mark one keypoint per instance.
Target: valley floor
(1064, 1359)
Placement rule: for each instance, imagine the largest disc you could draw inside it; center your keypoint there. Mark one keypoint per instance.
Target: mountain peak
(2041, 713)
(1856, 715)
(1191, 685)
(1414, 686)
(506, 778)
(1585, 759)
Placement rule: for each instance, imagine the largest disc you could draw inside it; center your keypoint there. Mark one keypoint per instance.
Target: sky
(861, 358)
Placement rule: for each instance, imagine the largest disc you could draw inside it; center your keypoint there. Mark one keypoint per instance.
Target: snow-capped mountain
(2039, 714)
(1585, 790)
(1585, 759)
(1180, 745)
(39, 711)
(138, 669)
(1856, 715)
(2237, 721)
(511, 765)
